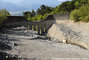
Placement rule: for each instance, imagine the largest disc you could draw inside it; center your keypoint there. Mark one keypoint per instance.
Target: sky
(19, 1)
(27, 5)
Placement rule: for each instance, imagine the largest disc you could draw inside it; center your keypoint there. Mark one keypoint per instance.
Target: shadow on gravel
(5, 56)
(4, 46)
(39, 38)
(20, 33)
(13, 39)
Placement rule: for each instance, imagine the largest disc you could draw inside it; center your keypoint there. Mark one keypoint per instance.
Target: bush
(75, 15)
(2, 18)
(3, 15)
(86, 19)
(80, 14)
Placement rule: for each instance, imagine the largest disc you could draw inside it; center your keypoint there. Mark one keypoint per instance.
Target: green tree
(79, 3)
(3, 15)
(38, 11)
(48, 9)
(33, 13)
(27, 15)
(43, 7)
(5, 12)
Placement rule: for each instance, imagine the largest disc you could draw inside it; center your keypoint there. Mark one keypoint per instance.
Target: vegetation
(40, 14)
(78, 8)
(81, 12)
(3, 15)
(43, 11)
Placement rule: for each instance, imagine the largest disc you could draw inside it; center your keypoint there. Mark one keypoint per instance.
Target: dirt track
(40, 47)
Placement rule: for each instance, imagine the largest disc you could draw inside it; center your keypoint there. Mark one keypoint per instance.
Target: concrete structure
(41, 26)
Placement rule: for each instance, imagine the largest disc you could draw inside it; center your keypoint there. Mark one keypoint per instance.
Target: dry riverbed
(36, 47)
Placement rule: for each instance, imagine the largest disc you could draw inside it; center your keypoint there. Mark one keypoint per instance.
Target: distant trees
(65, 7)
(44, 10)
(40, 14)
(79, 3)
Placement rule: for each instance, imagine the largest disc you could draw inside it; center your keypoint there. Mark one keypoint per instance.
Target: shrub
(80, 14)
(3, 15)
(2, 18)
(86, 19)
(75, 15)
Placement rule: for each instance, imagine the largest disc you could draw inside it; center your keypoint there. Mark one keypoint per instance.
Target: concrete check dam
(41, 26)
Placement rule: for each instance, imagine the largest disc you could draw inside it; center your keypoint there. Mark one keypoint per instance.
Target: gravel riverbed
(36, 47)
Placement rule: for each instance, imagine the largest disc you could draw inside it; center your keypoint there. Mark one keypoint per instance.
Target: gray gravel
(40, 48)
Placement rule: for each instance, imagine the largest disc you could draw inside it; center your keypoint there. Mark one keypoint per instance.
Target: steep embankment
(69, 32)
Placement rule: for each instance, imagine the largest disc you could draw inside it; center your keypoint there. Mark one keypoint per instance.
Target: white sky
(19, 1)
(64, 0)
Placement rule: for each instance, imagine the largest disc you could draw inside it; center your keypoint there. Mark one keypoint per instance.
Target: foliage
(40, 14)
(77, 8)
(33, 13)
(80, 3)
(75, 15)
(3, 15)
(65, 7)
(80, 14)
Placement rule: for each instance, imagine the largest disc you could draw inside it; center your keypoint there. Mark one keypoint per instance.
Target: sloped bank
(67, 31)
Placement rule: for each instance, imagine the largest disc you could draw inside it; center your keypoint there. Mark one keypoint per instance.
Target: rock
(15, 44)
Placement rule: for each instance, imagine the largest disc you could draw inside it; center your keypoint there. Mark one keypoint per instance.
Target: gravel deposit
(26, 44)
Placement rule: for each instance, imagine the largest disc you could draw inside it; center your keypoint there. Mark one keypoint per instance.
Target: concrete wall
(41, 26)
(63, 16)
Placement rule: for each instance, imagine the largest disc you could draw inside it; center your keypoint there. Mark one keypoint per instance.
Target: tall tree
(33, 13)
(38, 11)
(27, 13)
(48, 9)
(43, 7)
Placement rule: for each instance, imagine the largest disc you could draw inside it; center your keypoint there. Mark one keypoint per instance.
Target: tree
(3, 15)
(48, 9)
(43, 7)
(5, 12)
(65, 7)
(79, 3)
(84, 2)
(33, 13)
(26, 14)
(38, 11)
